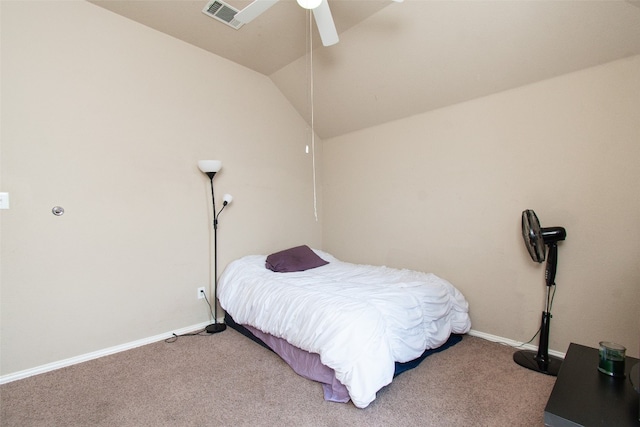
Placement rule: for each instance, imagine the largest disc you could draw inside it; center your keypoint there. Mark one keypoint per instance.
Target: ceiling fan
(236, 18)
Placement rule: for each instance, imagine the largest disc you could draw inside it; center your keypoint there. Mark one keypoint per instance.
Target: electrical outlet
(201, 292)
(4, 200)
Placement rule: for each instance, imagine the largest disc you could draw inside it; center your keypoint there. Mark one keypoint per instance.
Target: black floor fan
(537, 240)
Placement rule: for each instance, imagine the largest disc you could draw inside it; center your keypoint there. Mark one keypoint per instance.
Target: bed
(348, 326)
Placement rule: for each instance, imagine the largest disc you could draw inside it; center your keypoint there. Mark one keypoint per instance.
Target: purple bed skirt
(308, 365)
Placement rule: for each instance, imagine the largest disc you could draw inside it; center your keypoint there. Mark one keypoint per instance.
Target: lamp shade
(309, 4)
(208, 166)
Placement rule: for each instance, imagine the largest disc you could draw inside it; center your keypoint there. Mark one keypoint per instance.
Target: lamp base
(529, 359)
(214, 328)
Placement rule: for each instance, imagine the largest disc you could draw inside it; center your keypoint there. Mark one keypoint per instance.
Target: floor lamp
(210, 168)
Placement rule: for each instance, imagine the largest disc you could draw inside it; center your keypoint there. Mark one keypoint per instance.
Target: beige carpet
(228, 380)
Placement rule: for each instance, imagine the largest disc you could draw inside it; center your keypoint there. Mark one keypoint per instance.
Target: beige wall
(444, 191)
(107, 119)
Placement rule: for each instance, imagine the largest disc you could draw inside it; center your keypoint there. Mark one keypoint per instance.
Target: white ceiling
(395, 60)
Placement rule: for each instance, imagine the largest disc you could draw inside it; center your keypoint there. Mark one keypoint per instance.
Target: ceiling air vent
(222, 12)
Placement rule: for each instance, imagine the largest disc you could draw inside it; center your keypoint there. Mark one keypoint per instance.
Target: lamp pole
(210, 168)
(215, 327)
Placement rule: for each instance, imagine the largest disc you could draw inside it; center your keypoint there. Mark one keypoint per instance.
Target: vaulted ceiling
(396, 60)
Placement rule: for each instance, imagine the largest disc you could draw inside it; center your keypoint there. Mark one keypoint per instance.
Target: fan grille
(532, 235)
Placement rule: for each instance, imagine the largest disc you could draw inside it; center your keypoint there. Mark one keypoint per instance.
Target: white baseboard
(128, 346)
(96, 354)
(512, 343)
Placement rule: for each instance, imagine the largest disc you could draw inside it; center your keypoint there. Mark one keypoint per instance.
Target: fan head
(535, 237)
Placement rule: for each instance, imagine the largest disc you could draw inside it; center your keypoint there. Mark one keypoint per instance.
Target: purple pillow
(299, 258)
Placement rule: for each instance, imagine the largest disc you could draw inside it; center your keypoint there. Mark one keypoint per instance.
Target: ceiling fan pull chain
(313, 132)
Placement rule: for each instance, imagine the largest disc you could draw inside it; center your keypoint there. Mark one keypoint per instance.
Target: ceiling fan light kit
(309, 4)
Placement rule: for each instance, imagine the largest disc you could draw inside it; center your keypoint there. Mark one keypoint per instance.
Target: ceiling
(395, 60)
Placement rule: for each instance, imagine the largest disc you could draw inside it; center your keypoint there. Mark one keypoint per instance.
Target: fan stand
(540, 361)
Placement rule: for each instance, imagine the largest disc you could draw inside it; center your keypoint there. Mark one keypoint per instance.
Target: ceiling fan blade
(253, 10)
(324, 22)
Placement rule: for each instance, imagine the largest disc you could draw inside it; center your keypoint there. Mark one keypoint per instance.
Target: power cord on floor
(174, 338)
(201, 332)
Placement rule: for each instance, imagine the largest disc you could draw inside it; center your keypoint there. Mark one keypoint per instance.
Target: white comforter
(360, 319)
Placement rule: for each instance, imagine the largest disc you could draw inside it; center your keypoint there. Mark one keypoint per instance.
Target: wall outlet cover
(4, 200)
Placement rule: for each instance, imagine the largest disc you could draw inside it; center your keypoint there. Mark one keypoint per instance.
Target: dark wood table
(583, 396)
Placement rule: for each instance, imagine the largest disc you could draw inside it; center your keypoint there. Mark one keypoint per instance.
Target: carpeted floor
(228, 380)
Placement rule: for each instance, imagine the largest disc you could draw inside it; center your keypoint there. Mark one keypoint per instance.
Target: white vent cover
(222, 12)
